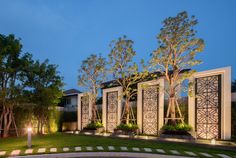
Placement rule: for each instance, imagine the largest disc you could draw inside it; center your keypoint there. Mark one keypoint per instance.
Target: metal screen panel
(84, 111)
(112, 111)
(150, 100)
(208, 102)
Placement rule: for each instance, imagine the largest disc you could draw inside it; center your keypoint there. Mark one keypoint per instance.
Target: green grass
(61, 140)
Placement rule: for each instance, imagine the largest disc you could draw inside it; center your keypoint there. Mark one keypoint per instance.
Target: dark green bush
(94, 126)
(127, 127)
(177, 127)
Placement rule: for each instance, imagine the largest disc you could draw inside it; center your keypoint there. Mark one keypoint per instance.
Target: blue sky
(67, 31)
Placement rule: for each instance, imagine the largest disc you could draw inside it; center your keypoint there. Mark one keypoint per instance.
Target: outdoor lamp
(29, 129)
(213, 141)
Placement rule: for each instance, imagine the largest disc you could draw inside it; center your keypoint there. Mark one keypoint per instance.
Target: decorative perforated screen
(150, 99)
(208, 102)
(84, 111)
(112, 110)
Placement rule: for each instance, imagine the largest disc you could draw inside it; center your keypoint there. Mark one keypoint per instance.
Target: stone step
(147, 149)
(78, 148)
(124, 148)
(15, 152)
(28, 151)
(190, 153)
(206, 154)
(160, 151)
(41, 150)
(135, 149)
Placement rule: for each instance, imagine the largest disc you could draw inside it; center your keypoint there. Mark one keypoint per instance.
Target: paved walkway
(102, 154)
(107, 151)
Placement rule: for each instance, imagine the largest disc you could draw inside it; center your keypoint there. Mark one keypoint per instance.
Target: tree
(45, 86)
(178, 46)
(12, 65)
(125, 72)
(92, 73)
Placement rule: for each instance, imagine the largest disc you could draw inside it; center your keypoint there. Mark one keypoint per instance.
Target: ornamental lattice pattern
(150, 110)
(84, 111)
(208, 94)
(112, 110)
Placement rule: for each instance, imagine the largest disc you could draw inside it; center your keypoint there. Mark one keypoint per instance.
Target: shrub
(177, 127)
(127, 127)
(94, 126)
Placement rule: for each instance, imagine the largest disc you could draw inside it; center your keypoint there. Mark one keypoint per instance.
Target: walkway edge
(102, 154)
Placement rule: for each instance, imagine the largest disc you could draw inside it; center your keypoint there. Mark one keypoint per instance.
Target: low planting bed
(126, 129)
(178, 131)
(93, 128)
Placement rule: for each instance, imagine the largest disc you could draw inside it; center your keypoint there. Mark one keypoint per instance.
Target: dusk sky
(67, 32)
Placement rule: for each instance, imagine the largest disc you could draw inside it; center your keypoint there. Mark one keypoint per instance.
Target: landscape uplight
(29, 129)
(213, 141)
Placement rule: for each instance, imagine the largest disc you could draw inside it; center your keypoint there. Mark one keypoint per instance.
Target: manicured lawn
(61, 140)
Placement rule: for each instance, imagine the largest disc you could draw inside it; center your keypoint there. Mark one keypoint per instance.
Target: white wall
(73, 103)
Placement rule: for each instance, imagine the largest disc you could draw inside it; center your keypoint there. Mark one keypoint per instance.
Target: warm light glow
(213, 141)
(29, 129)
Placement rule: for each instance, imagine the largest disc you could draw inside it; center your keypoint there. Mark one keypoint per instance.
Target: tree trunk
(38, 126)
(172, 110)
(94, 112)
(127, 112)
(7, 120)
(172, 105)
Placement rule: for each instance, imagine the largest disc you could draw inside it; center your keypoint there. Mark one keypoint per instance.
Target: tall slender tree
(125, 72)
(178, 47)
(12, 65)
(92, 73)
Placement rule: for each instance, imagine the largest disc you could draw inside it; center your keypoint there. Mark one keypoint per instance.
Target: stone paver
(66, 149)
(190, 153)
(41, 150)
(175, 152)
(160, 151)
(124, 148)
(89, 148)
(53, 150)
(2, 153)
(111, 148)
(15, 152)
(223, 155)
(206, 154)
(135, 149)
(100, 148)
(78, 148)
(147, 149)
(28, 151)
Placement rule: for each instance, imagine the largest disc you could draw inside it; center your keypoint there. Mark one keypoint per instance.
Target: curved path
(102, 155)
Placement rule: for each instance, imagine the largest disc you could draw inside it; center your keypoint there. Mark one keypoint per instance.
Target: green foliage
(176, 55)
(178, 47)
(92, 74)
(125, 71)
(94, 126)
(127, 127)
(45, 86)
(13, 64)
(54, 121)
(177, 127)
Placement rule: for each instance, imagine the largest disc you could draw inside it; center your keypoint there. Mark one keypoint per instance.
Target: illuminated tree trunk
(127, 111)
(7, 119)
(94, 112)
